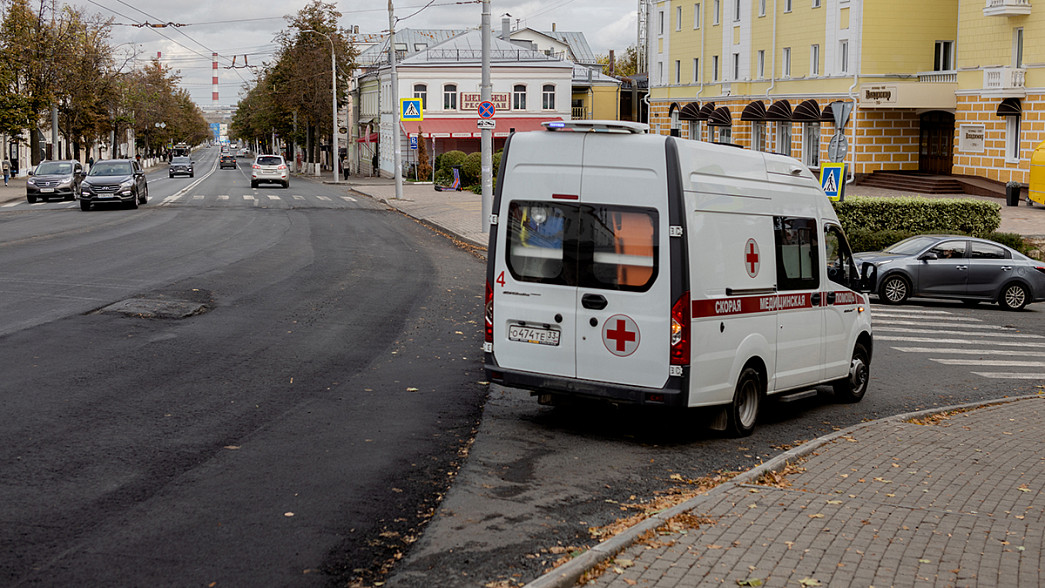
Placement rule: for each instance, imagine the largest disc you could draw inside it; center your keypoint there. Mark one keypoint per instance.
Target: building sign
(472, 100)
(879, 94)
(970, 138)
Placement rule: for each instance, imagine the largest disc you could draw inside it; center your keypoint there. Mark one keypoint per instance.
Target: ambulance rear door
(624, 275)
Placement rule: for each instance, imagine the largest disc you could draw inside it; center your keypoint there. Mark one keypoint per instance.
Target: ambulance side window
(797, 253)
(840, 266)
(624, 247)
(536, 232)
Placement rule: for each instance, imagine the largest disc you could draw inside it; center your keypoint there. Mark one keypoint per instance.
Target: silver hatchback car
(269, 168)
(953, 266)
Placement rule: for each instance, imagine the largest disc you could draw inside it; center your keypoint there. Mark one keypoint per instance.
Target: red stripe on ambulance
(759, 304)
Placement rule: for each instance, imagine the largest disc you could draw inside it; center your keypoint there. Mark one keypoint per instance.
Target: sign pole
(396, 138)
(486, 134)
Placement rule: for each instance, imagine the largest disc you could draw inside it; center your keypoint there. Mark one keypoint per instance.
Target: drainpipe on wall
(852, 96)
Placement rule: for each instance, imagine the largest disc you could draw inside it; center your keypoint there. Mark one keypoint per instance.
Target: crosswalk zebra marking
(348, 199)
(990, 362)
(1012, 375)
(945, 332)
(273, 197)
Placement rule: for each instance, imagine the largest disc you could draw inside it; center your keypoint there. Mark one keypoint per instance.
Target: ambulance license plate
(532, 335)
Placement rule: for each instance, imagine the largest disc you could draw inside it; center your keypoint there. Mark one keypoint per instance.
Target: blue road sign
(486, 110)
(410, 109)
(413, 141)
(832, 180)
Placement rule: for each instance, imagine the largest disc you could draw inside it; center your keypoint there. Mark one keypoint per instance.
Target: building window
(814, 60)
(758, 135)
(678, 71)
(548, 97)
(696, 69)
(736, 11)
(787, 5)
(674, 120)
(783, 137)
(660, 23)
(1012, 139)
(519, 97)
(450, 97)
(811, 144)
(761, 64)
(736, 66)
(1017, 47)
(660, 73)
(843, 56)
(716, 11)
(694, 130)
(678, 18)
(420, 46)
(786, 63)
(714, 68)
(421, 91)
(816, 3)
(696, 16)
(944, 56)
(761, 7)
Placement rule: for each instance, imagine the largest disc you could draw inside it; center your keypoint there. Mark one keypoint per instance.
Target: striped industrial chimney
(214, 81)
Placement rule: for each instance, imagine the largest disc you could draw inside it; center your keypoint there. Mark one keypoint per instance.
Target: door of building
(937, 143)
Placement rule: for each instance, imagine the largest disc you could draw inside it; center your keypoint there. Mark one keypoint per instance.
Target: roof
(467, 49)
(583, 74)
(582, 53)
(377, 52)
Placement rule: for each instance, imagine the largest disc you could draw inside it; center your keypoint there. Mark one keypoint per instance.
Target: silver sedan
(953, 266)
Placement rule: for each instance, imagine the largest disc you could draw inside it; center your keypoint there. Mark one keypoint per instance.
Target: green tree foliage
(626, 64)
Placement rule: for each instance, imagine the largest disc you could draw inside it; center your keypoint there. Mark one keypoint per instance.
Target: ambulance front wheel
(747, 399)
(852, 387)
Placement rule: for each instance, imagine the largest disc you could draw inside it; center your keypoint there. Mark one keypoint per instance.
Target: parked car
(114, 180)
(54, 179)
(227, 160)
(953, 266)
(269, 168)
(181, 166)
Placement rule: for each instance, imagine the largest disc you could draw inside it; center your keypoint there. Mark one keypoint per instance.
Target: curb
(567, 575)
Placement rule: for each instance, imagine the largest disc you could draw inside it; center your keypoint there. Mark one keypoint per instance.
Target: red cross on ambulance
(751, 256)
(620, 334)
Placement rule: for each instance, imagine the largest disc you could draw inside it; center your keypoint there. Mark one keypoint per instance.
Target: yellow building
(764, 74)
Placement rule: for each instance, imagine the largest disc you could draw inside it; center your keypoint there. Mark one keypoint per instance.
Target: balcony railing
(1007, 8)
(938, 77)
(1004, 78)
(579, 113)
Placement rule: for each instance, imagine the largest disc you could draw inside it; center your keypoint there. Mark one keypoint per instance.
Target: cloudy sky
(247, 28)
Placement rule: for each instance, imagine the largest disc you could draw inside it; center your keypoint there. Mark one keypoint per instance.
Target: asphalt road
(296, 428)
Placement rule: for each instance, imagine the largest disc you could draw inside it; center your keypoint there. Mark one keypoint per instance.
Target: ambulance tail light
(680, 331)
(489, 313)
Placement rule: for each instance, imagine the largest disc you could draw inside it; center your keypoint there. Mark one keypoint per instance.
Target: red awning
(372, 138)
(464, 128)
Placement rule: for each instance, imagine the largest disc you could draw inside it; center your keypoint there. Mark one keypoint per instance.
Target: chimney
(506, 27)
(613, 64)
(553, 27)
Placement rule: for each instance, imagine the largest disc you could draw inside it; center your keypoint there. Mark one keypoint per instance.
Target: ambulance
(651, 270)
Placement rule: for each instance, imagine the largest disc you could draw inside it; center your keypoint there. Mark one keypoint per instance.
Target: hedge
(918, 215)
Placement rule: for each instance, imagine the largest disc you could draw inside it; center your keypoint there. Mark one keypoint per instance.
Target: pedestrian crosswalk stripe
(943, 332)
(1012, 375)
(990, 362)
(223, 196)
(248, 197)
(348, 199)
(941, 324)
(880, 310)
(198, 197)
(297, 197)
(952, 351)
(323, 198)
(10, 204)
(273, 197)
(952, 341)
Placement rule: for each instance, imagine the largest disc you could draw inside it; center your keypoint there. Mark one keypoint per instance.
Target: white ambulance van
(652, 270)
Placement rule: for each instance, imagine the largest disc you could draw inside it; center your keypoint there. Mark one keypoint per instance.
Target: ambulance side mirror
(868, 277)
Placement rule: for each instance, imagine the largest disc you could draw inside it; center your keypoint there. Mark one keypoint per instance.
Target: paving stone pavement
(888, 503)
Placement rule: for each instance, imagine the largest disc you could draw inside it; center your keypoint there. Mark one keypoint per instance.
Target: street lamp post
(333, 100)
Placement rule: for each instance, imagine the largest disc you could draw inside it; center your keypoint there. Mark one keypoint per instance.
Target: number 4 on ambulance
(621, 268)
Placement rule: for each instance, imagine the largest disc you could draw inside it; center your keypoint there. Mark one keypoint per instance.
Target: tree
(424, 170)
(626, 65)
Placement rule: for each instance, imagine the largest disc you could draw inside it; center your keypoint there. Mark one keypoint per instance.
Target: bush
(917, 215)
(451, 158)
(472, 170)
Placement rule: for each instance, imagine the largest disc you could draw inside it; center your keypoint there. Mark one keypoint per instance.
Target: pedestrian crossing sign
(832, 180)
(410, 109)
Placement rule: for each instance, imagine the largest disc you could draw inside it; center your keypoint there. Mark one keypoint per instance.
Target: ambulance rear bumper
(672, 394)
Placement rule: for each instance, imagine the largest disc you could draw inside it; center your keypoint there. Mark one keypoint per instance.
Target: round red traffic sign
(486, 109)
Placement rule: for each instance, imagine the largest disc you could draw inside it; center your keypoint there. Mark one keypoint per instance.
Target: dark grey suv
(54, 179)
(114, 180)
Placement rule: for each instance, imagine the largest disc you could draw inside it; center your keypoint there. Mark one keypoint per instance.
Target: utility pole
(396, 147)
(486, 141)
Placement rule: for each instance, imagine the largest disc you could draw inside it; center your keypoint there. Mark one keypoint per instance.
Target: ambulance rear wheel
(894, 290)
(853, 387)
(743, 412)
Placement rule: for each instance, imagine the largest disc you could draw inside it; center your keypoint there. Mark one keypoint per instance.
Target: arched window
(548, 97)
(450, 97)
(421, 91)
(519, 97)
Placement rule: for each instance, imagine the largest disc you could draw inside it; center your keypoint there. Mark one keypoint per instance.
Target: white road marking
(943, 332)
(223, 196)
(171, 198)
(297, 197)
(248, 197)
(324, 198)
(953, 351)
(915, 311)
(10, 204)
(1012, 375)
(198, 197)
(273, 197)
(943, 325)
(348, 199)
(991, 362)
(953, 341)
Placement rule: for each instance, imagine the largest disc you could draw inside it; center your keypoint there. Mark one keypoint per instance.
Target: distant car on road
(957, 267)
(54, 179)
(269, 168)
(227, 160)
(244, 152)
(114, 180)
(181, 166)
